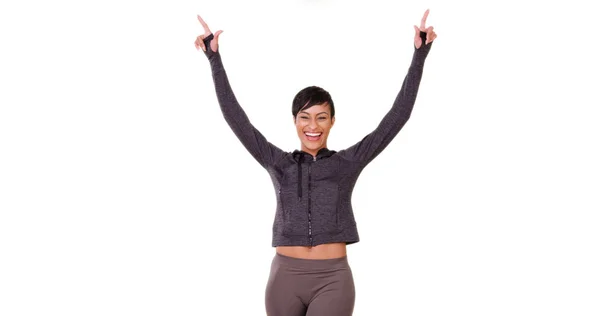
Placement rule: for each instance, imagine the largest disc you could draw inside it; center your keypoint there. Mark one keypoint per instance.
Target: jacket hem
(348, 236)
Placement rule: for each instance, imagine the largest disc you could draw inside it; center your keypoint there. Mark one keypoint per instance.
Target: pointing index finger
(204, 25)
(424, 19)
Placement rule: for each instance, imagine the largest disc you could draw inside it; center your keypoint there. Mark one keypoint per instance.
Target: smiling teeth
(313, 134)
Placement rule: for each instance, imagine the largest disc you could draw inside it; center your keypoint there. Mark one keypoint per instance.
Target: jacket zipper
(309, 204)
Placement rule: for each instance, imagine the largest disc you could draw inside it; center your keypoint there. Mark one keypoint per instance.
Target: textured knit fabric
(314, 193)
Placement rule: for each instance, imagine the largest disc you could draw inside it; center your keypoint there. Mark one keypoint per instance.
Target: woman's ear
(332, 121)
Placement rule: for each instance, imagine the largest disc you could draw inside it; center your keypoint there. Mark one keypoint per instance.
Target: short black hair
(310, 96)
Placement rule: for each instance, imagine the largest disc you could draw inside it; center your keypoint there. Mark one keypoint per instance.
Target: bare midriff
(325, 251)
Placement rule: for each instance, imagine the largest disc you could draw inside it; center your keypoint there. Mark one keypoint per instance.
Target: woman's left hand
(422, 28)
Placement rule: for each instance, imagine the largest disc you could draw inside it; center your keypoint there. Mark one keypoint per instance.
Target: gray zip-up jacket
(314, 193)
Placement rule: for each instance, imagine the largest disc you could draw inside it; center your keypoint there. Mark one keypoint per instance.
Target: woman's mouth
(313, 136)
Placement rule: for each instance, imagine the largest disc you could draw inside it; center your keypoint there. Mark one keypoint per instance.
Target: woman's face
(313, 125)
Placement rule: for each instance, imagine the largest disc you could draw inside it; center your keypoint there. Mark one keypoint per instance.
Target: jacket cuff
(422, 52)
(210, 54)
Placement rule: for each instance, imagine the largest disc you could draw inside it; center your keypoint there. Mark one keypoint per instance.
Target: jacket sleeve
(262, 150)
(375, 142)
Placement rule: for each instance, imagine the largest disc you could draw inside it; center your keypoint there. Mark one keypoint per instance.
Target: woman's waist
(323, 251)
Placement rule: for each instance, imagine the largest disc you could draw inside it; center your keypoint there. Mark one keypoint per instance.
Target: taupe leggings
(309, 287)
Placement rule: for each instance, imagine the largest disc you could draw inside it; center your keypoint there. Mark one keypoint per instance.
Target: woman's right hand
(214, 43)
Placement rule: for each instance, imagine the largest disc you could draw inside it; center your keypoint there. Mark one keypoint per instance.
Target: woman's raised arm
(263, 151)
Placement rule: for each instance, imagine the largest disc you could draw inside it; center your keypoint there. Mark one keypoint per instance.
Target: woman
(314, 220)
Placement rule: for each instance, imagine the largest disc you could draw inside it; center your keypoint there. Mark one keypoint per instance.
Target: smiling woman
(314, 115)
(314, 220)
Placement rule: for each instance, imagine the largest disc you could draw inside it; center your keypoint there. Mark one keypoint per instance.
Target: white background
(124, 192)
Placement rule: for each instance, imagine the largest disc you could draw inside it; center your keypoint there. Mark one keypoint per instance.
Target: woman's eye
(304, 117)
(322, 118)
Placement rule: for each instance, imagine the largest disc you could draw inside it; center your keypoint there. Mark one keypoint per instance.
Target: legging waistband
(312, 264)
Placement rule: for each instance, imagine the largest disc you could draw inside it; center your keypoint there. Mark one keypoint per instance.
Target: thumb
(214, 44)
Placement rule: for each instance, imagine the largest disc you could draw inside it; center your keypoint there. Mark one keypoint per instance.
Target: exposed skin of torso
(326, 251)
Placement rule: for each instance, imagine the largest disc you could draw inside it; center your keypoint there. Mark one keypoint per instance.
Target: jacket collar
(300, 155)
